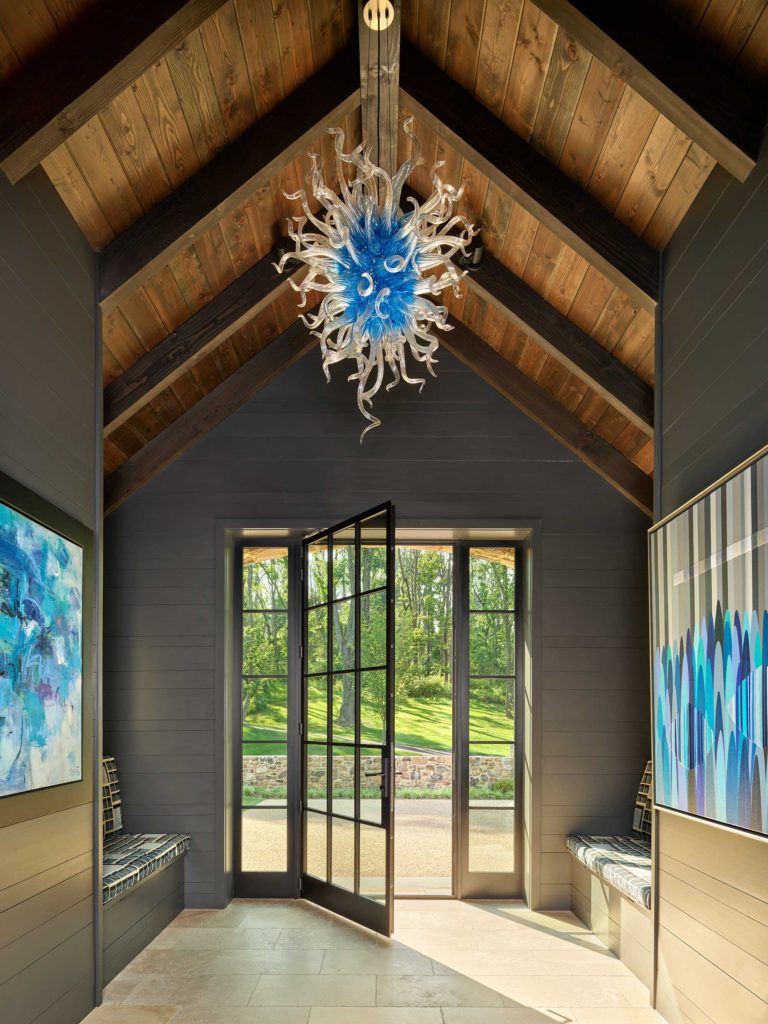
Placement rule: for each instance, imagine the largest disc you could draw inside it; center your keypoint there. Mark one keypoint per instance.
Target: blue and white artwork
(709, 625)
(41, 656)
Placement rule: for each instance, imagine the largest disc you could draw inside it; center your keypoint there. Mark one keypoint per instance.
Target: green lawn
(419, 723)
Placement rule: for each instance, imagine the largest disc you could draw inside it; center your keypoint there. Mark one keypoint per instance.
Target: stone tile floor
(285, 962)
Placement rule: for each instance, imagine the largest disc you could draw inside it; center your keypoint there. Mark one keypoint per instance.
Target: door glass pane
(373, 629)
(265, 774)
(265, 708)
(343, 792)
(343, 635)
(344, 707)
(317, 640)
(265, 643)
(373, 706)
(317, 708)
(492, 775)
(492, 579)
(373, 862)
(373, 553)
(491, 643)
(343, 853)
(316, 775)
(265, 578)
(265, 839)
(316, 839)
(317, 573)
(491, 839)
(344, 567)
(371, 766)
(492, 708)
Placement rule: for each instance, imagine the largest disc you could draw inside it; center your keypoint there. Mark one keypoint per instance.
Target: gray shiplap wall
(712, 883)
(48, 443)
(458, 450)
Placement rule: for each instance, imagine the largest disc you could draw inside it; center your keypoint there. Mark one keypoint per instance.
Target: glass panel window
(265, 643)
(317, 640)
(265, 774)
(343, 639)
(343, 791)
(492, 774)
(265, 839)
(491, 644)
(491, 839)
(373, 629)
(373, 553)
(492, 579)
(316, 851)
(265, 578)
(371, 779)
(344, 564)
(373, 862)
(491, 708)
(317, 573)
(344, 707)
(317, 776)
(373, 706)
(265, 708)
(343, 853)
(317, 708)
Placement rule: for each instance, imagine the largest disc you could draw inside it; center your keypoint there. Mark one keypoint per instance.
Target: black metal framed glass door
(347, 726)
(489, 734)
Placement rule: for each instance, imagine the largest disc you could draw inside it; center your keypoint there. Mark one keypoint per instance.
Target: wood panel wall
(49, 443)
(457, 450)
(712, 966)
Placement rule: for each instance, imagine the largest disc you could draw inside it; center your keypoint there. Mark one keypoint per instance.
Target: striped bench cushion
(623, 861)
(130, 859)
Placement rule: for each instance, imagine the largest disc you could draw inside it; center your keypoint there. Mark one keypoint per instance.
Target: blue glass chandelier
(377, 266)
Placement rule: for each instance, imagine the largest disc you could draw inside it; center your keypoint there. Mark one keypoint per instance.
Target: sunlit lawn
(419, 723)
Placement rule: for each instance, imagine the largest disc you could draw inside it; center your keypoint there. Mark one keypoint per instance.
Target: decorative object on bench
(709, 631)
(129, 859)
(41, 655)
(623, 861)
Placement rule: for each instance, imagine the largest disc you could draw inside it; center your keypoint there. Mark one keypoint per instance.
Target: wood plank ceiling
(248, 56)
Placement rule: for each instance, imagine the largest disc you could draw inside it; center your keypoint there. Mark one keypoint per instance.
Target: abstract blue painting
(709, 626)
(41, 655)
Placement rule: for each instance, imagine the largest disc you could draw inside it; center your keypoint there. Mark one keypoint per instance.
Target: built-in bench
(143, 880)
(611, 886)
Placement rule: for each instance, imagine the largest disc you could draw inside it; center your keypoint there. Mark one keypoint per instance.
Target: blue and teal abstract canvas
(41, 656)
(709, 625)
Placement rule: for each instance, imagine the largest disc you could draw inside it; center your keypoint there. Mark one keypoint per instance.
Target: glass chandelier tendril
(376, 266)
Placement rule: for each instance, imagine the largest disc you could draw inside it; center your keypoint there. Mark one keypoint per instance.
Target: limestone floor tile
(384, 959)
(116, 991)
(616, 1015)
(185, 990)
(424, 939)
(229, 917)
(507, 1015)
(266, 961)
(216, 938)
(569, 991)
(375, 1015)
(445, 990)
(131, 1015)
(332, 936)
(241, 1015)
(472, 962)
(167, 961)
(315, 990)
(284, 914)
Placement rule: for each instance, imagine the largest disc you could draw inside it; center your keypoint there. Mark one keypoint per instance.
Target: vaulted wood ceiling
(578, 156)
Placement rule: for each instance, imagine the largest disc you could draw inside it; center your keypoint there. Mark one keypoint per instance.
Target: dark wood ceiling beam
(572, 214)
(208, 413)
(97, 57)
(545, 410)
(234, 174)
(673, 72)
(178, 352)
(560, 337)
(380, 86)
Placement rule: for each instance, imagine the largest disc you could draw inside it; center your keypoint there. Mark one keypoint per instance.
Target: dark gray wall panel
(714, 380)
(49, 443)
(458, 451)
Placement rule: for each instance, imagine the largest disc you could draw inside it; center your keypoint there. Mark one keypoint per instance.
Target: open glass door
(347, 724)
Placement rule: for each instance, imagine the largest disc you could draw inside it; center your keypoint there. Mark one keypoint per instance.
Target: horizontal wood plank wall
(457, 450)
(48, 443)
(712, 966)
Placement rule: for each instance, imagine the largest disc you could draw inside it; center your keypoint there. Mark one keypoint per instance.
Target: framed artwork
(709, 652)
(41, 654)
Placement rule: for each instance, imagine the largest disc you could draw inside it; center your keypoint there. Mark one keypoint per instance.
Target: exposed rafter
(208, 413)
(245, 165)
(81, 71)
(195, 338)
(545, 410)
(561, 338)
(673, 71)
(380, 87)
(536, 184)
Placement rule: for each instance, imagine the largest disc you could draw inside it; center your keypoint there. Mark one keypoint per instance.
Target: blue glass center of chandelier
(378, 276)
